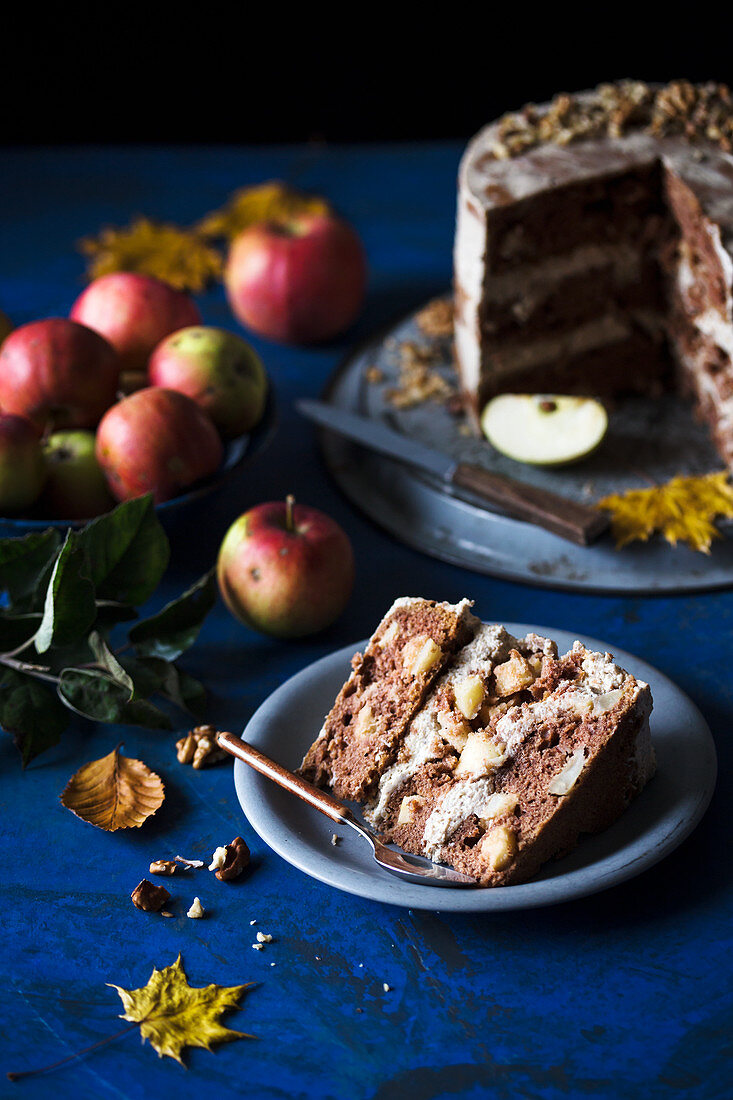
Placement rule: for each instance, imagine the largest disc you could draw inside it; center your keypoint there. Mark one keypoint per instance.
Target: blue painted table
(626, 994)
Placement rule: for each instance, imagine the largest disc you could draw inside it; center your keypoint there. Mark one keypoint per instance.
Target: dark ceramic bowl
(237, 453)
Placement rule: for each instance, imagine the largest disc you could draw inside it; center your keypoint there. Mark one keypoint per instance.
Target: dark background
(218, 74)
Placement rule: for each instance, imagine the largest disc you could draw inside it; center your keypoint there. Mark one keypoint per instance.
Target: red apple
(75, 486)
(285, 569)
(299, 282)
(22, 469)
(218, 370)
(134, 312)
(58, 373)
(156, 441)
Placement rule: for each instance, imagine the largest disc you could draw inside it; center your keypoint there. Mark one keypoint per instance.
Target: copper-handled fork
(415, 869)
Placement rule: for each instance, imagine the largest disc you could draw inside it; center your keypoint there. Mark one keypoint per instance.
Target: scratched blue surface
(626, 994)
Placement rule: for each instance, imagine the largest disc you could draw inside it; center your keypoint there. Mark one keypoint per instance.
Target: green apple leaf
(31, 712)
(128, 551)
(69, 608)
(96, 695)
(104, 656)
(175, 628)
(25, 566)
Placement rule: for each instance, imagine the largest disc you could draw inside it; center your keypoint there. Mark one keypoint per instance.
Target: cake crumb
(253, 922)
(165, 913)
(197, 910)
(387, 988)
(335, 839)
(263, 937)
(256, 946)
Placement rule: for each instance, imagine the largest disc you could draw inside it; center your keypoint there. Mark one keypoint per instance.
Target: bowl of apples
(130, 394)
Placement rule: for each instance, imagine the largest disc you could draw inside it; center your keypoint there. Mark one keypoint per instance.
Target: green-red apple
(75, 487)
(298, 282)
(134, 313)
(285, 569)
(221, 372)
(58, 373)
(22, 469)
(156, 441)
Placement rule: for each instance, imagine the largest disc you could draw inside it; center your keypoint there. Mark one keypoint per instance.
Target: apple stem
(289, 505)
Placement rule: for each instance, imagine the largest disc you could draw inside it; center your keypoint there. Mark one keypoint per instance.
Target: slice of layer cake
(512, 754)
(415, 640)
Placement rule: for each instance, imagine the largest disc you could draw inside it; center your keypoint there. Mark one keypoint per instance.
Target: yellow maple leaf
(173, 1015)
(176, 255)
(267, 202)
(683, 510)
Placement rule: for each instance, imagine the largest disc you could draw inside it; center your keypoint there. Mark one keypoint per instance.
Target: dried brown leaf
(115, 792)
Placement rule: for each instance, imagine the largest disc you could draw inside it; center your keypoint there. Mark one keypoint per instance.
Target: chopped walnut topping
(697, 112)
(418, 379)
(436, 318)
(199, 748)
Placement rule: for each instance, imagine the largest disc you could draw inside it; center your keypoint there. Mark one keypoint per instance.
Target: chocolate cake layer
(387, 685)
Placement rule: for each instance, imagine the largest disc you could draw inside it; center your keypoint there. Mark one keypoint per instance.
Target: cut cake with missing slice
(499, 761)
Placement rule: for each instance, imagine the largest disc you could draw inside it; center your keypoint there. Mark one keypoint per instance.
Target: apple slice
(544, 429)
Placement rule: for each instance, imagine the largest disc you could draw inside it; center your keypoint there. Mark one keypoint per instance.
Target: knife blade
(578, 523)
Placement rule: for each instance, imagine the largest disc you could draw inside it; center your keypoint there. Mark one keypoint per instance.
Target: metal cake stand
(648, 442)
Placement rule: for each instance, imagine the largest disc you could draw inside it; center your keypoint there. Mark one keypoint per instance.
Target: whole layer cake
(593, 249)
(496, 757)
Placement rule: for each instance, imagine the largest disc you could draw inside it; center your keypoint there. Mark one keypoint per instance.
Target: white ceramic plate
(654, 825)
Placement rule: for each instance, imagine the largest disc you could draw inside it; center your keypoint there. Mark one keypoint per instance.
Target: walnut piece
(149, 897)
(163, 867)
(199, 748)
(436, 318)
(498, 847)
(237, 858)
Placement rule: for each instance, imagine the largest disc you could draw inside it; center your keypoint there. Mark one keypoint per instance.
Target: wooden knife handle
(578, 523)
(322, 801)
